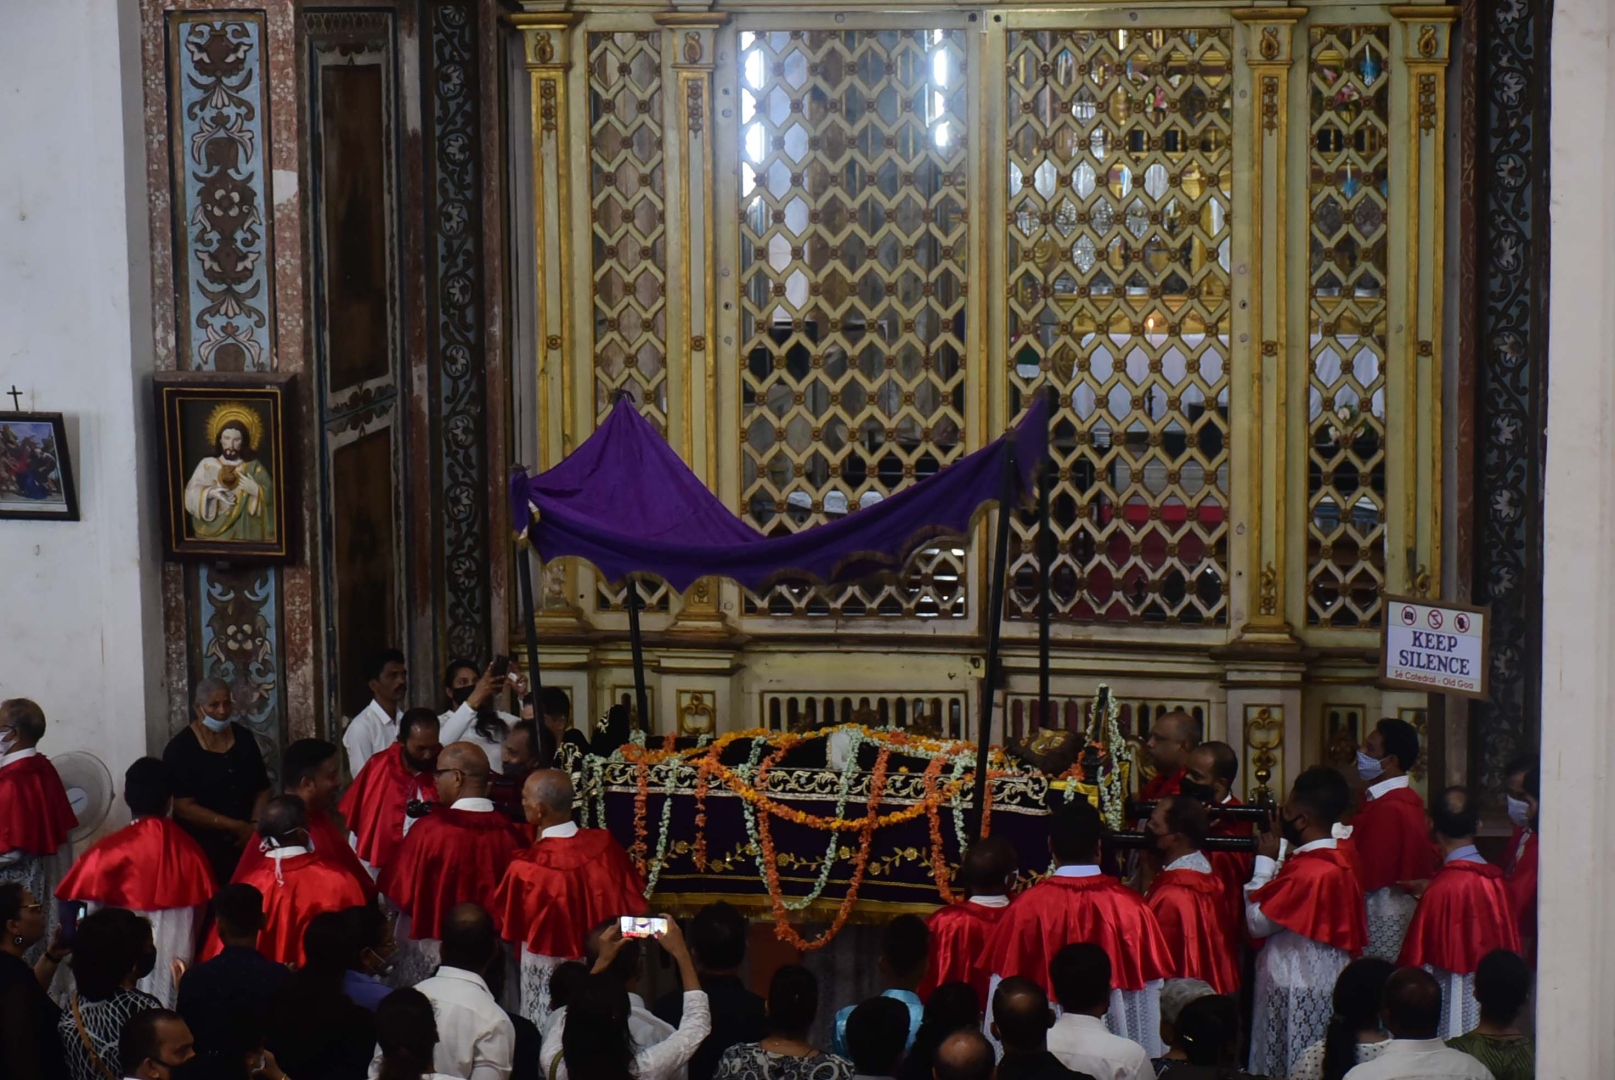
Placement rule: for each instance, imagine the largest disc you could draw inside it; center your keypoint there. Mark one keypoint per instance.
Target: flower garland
(782, 927)
(1110, 781)
(660, 859)
(939, 859)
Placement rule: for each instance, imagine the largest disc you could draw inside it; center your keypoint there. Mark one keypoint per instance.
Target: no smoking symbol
(1435, 620)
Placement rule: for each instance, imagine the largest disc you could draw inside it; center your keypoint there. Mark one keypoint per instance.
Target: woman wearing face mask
(219, 780)
(28, 1046)
(472, 716)
(112, 950)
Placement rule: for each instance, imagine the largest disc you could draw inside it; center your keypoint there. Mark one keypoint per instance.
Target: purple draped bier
(628, 504)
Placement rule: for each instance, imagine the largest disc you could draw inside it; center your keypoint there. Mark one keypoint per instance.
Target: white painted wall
(1576, 970)
(80, 604)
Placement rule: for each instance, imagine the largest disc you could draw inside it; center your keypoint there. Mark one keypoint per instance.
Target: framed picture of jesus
(227, 478)
(36, 471)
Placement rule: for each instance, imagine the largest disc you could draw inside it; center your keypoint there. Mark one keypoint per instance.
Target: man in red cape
(960, 932)
(376, 807)
(151, 867)
(455, 855)
(1524, 779)
(35, 817)
(1079, 903)
(1390, 836)
(1463, 915)
(570, 881)
(297, 884)
(1187, 898)
(1311, 914)
(1209, 776)
(1171, 738)
(311, 769)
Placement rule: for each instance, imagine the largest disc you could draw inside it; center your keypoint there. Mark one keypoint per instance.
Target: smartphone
(68, 913)
(501, 665)
(642, 926)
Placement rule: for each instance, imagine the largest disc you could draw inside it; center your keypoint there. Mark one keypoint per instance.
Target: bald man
(1021, 1022)
(554, 893)
(1171, 738)
(1411, 1012)
(457, 854)
(964, 1055)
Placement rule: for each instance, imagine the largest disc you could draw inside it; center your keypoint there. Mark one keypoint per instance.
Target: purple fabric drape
(628, 504)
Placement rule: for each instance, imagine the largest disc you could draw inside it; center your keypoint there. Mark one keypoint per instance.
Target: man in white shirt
(1080, 973)
(475, 1039)
(1412, 1013)
(376, 726)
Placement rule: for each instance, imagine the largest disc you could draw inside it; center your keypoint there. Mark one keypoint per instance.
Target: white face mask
(1519, 811)
(1369, 768)
(7, 741)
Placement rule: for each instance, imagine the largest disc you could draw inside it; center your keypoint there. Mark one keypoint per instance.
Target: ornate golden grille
(852, 246)
(1120, 177)
(629, 239)
(1349, 120)
(626, 208)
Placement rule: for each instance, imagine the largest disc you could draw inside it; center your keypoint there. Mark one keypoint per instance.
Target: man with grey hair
(554, 893)
(218, 778)
(35, 817)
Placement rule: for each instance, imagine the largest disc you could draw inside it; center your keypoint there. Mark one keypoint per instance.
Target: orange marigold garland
(641, 805)
(703, 777)
(939, 859)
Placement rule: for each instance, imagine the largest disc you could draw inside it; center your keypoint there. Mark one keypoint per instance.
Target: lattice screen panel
(1348, 87)
(1120, 178)
(629, 240)
(853, 244)
(626, 208)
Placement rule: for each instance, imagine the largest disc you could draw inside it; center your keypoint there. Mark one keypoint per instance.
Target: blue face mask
(215, 725)
(1369, 768)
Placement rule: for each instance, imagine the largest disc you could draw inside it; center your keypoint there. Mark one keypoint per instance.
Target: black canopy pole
(641, 698)
(1045, 563)
(995, 616)
(524, 575)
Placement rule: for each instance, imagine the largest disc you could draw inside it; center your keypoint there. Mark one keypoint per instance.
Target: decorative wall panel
(853, 223)
(1349, 121)
(1120, 176)
(455, 267)
(1511, 180)
(219, 109)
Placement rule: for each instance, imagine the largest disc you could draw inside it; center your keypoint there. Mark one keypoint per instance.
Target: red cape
(1232, 869)
(310, 885)
(1316, 895)
(330, 840)
(1521, 884)
(151, 865)
(1463, 915)
(1058, 911)
(450, 857)
(1190, 907)
(1392, 840)
(1161, 785)
(35, 816)
(960, 934)
(374, 805)
(559, 889)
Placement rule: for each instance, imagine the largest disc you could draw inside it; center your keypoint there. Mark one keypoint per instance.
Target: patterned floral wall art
(222, 252)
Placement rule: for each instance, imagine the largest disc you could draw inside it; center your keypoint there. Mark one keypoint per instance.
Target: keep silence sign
(1441, 648)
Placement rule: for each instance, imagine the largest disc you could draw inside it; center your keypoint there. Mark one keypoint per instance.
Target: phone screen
(68, 913)
(501, 665)
(642, 926)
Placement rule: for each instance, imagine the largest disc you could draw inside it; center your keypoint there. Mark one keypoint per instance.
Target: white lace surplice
(1460, 1012)
(1295, 982)
(535, 979)
(416, 959)
(1136, 1015)
(1390, 910)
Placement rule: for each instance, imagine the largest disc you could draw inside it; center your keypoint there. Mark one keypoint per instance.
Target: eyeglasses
(440, 773)
(35, 906)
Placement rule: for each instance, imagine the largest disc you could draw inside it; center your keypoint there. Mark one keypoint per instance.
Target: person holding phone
(28, 1043)
(596, 1043)
(473, 715)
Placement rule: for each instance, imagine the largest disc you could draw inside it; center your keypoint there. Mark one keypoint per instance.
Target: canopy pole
(524, 574)
(995, 616)
(1045, 563)
(641, 698)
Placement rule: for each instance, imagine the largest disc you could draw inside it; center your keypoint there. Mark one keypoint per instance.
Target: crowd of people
(447, 917)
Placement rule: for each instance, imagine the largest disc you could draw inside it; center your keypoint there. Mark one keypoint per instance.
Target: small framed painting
(36, 471)
(227, 479)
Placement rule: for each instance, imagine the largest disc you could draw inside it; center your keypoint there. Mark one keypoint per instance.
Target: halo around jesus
(245, 415)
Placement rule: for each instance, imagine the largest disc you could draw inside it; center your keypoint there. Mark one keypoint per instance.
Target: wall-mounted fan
(89, 790)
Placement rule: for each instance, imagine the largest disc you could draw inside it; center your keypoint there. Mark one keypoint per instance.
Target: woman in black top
(28, 1046)
(220, 783)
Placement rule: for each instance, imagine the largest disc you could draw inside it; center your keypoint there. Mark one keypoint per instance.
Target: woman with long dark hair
(785, 1053)
(1354, 1034)
(595, 1043)
(313, 1028)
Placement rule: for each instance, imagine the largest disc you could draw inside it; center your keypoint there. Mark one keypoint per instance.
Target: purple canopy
(628, 504)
